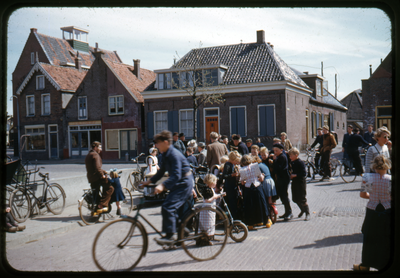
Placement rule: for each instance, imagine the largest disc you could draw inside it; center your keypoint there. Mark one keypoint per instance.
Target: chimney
(78, 62)
(136, 68)
(370, 70)
(33, 30)
(96, 48)
(260, 36)
(306, 72)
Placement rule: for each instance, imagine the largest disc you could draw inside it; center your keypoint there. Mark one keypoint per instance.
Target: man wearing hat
(318, 140)
(201, 158)
(328, 144)
(282, 177)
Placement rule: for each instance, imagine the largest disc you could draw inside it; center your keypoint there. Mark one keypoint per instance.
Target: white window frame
(245, 119)
(43, 106)
(258, 116)
(38, 85)
(123, 104)
(204, 120)
(180, 125)
(27, 106)
(35, 133)
(154, 120)
(79, 117)
(32, 58)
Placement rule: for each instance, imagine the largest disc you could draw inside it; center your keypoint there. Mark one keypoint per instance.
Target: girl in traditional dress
(207, 218)
(152, 163)
(376, 227)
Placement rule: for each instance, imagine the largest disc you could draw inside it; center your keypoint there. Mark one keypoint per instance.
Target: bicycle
(313, 170)
(137, 175)
(53, 198)
(87, 205)
(347, 171)
(121, 244)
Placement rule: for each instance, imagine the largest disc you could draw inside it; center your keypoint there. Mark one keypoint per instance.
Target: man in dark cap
(241, 147)
(282, 178)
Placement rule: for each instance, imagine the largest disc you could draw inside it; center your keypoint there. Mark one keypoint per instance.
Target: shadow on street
(333, 241)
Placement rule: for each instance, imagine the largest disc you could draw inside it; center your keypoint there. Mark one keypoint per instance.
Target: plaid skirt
(207, 220)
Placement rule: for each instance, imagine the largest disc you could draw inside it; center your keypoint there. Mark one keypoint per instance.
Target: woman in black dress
(230, 175)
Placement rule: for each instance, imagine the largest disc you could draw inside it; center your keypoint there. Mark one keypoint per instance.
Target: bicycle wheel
(127, 204)
(86, 209)
(206, 236)
(238, 232)
(335, 165)
(347, 174)
(20, 204)
(120, 245)
(55, 198)
(310, 168)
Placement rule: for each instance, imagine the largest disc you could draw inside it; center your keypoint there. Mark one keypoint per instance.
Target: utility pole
(336, 85)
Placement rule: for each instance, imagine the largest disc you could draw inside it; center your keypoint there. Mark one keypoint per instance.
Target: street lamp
(18, 127)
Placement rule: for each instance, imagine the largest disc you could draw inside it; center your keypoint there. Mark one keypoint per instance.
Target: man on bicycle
(98, 177)
(179, 183)
(318, 140)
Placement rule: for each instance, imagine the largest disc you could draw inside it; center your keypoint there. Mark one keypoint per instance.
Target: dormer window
(76, 37)
(318, 87)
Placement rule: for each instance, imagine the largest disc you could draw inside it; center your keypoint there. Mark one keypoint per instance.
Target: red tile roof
(130, 81)
(67, 78)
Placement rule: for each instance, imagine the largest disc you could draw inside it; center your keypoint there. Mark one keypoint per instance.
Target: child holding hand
(207, 218)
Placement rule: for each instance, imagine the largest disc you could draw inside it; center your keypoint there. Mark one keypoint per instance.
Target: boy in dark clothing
(299, 184)
(190, 157)
(281, 172)
(355, 141)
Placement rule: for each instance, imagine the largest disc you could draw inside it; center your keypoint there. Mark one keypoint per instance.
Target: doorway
(128, 143)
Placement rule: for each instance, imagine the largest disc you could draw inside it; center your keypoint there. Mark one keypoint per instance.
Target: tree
(201, 81)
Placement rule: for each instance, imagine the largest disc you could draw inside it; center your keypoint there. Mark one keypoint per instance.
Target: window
(30, 105)
(238, 120)
(82, 110)
(160, 121)
(164, 81)
(36, 139)
(221, 73)
(112, 139)
(266, 120)
(32, 58)
(175, 80)
(40, 82)
(186, 121)
(116, 105)
(211, 77)
(318, 87)
(46, 104)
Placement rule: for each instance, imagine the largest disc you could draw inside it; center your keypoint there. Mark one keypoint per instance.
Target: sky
(346, 40)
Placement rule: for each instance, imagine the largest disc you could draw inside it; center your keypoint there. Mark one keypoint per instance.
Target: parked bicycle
(137, 175)
(313, 170)
(87, 205)
(121, 244)
(53, 197)
(347, 171)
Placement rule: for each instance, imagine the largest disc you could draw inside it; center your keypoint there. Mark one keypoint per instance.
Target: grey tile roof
(328, 98)
(60, 52)
(246, 62)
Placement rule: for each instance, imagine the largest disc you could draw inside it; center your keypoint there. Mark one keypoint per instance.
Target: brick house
(353, 102)
(263, 96)
(108, 107)
(378, 94)
(45, 92)
(45, 78)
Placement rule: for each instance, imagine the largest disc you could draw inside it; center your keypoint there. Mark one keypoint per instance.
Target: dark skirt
(255, 206)
(117, 195)
(376, 238)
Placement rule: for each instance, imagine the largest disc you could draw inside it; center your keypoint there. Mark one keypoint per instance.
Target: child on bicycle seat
(207, 218)
(117, 195)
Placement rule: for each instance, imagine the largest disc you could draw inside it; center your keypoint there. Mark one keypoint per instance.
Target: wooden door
(211, 125)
